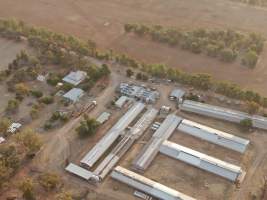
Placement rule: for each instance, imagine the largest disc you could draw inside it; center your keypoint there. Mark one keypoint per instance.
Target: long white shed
(147, 186)
(223, 113)
(150, 150)
(213, 135)
(202, 161)
(102, 146)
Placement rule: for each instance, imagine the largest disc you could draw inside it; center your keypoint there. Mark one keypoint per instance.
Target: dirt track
(87, 18)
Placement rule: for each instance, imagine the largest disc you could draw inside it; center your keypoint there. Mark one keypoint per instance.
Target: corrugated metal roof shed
(151, 149)
(121, 101)
(177, 93)
(100, 148)
(79, 171)
(74, 94)
(214, 136)
(223, 113)
(202, 161)
(75, 78)
(146, 185)
(124, 145)
(103, 117)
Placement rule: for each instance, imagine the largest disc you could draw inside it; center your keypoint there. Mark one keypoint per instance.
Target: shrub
(250, 59)
(246, 124)
(36, 93)
(12, 105)
(87, 127)
(129, 73)
(22, 89)
(47, 100)
(49, 181)
(27, 188)
(30, 140)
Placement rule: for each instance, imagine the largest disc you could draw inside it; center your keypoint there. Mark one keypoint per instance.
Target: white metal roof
(79, 171)
(100, 148)
(151, 149)
(74, 94)
(200, 160)
(103, 117)
(146, 185)
(121, 101)
(213, 135)
(177, 93)
(75, 78)
(223, 113)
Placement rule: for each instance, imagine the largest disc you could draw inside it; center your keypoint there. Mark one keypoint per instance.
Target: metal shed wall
(146, 185)
(202, 161)
(213, 111)
(79, 171)
(100, 148)
(214, 136)
(151, 149)
(223, 113)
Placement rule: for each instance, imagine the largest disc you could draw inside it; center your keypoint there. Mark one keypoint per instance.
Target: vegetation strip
(226, 45)
(51, 46)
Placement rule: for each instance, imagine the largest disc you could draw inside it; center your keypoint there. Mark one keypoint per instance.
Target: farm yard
(102, 116)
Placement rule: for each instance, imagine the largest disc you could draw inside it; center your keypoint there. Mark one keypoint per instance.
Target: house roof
(74, 94)
(75, 78)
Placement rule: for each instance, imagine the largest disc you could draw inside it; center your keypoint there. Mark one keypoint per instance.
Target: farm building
(222, 113)
(139, 92)
(151, 149)
(177, 94)
(75, 78)
(146, 185)
(121, 101)
(101, 147)
(125, 143)
(80, 172)
(214, 136)
(73, 95)
(103, 117)
(202, 161)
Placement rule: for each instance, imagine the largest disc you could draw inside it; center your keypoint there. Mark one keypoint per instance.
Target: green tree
(246, 124)
(49, 181)
(250, 59)
(253, 107)
(228, 55)
(30, 140)
(87, 127)
(129, 73)
(4, 125)
(139, 76)
(64, 196)
(26, 186)
(22, 89)
(12, 105)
